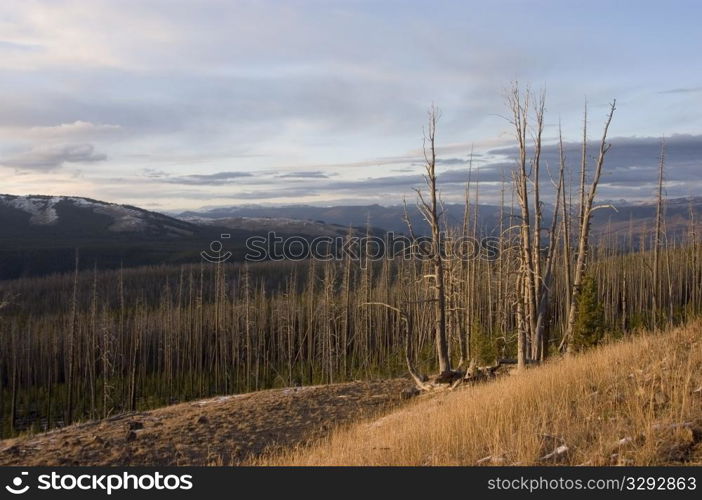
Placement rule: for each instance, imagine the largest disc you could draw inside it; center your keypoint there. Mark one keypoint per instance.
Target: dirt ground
(225, 430)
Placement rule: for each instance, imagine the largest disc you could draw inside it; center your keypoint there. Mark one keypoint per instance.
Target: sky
(173, 104)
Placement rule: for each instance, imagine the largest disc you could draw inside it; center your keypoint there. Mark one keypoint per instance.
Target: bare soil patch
(224, 430)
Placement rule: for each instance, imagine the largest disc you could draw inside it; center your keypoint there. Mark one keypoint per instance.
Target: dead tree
(586, 211)
(536, 263)
(431, 212)
(545, 275)
(71, 345)
(519, 107)
(655, 289)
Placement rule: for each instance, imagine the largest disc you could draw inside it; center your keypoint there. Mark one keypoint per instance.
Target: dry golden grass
(636, 402)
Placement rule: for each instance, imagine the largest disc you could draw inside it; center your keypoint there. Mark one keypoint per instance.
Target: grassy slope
(636, 402)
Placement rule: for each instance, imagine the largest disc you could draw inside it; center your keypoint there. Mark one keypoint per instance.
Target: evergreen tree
(589, 327)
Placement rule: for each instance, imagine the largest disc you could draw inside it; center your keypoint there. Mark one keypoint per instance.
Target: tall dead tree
(432, 214)
(519, 107)
(565, 223)
(655, 289)
(71, 345)
(586, 211)
(545, 273)
(536, 249)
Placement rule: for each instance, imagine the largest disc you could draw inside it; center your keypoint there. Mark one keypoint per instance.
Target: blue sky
(172, 104)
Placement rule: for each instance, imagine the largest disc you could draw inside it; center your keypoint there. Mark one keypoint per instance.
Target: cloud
(633, 160)
(490, 173)
(217, 179)
(631, 170)
(9, 45)
(630, 173)
(690, 90)
(309, 174)
(46, 158)
(272, 194)
(153, 173)
(452, 161)
(396, 182)
(77, 128)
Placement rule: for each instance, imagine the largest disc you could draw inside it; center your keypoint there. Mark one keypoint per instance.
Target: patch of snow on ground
(42, 211)
(125, 219)
(82, 202)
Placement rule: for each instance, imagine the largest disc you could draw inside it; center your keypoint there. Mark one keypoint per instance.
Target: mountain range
(42, 234)
(619, 219)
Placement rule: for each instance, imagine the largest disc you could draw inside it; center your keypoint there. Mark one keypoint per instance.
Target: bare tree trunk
(521, 324)
(519, 107)
(655, 289)
(586, 210)
(566, 230)
(538, 279)
(546, 279)
(71, 344)
(430, 211)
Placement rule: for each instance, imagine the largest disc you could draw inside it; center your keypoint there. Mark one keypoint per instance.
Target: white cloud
(76, 131)
(52, 157)
(78, 127)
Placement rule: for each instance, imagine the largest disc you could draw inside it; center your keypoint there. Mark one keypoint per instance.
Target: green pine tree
(589, 327)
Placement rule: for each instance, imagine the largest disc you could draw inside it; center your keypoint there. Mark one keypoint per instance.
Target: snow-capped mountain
(42, 234)
(73, 216)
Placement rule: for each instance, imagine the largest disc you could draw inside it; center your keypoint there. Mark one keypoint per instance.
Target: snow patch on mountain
(125, 219)
(42, 211)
